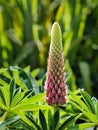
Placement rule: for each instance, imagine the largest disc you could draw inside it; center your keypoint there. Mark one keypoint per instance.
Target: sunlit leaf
(6, 94)
(50, 120)
(88, 101)
(83, 126)
(91, 117)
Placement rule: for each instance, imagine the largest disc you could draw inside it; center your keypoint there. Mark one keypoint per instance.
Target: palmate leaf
(42, 120)
(17, 98)
(24, 79)
(17, 78)
(20, 96)
(7, 93)
(27, 103)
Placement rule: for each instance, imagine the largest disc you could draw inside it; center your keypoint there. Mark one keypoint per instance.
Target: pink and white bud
(55, 85)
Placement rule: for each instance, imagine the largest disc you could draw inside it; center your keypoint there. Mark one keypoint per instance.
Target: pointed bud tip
(56, 24)
(56, 29)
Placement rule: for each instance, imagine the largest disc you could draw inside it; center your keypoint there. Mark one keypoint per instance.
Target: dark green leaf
(67, 123)
(12, 89)
(2, 97)
(34, 123)
(56, 119)
(42, 120)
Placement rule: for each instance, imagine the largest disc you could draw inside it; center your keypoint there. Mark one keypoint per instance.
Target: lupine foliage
(22, 106)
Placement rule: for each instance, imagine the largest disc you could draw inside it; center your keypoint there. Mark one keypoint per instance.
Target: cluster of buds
(55, 84)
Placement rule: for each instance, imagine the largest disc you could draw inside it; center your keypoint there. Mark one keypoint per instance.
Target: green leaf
(88, 101)
(2, 101)
(75, 105)
(34, 123)
(78, 100)
(6, 94)
(2, 70)
(17, 98)
(95, 103)
(67, 123)
(12, 89)
(73, 128)
(30, 107)
(31, 100)
(24, 118)
(5, 78)
(9, 122)
(42, 120)
(24, 79)
(3, 117)
(3, 83)
(91, 117)
(50, 120)
(2, 106)
(56, 119)
(17, 78)
(27, 69)
(83, 126)
(35, 72)
(97, 109)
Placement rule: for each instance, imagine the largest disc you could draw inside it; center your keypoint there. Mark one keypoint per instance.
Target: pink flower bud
(55, 85)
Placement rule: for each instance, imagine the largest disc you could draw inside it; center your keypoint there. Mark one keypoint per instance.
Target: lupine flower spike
(55, 84)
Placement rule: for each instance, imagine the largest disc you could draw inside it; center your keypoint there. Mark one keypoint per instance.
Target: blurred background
(25, 27)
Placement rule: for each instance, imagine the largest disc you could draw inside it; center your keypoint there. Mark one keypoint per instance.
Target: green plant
(24, 35)
(23, 105)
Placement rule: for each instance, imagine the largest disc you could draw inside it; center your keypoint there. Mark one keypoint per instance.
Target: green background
(25, 27)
